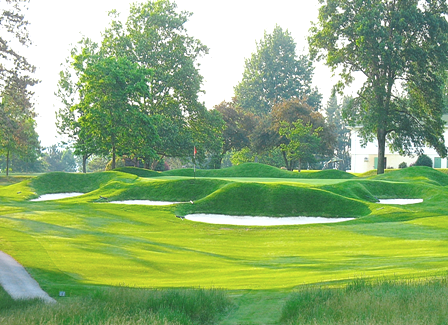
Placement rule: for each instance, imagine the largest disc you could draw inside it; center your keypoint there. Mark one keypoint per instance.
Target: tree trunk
(113, 157)
(381, 136)
(285, 159)
(84, 163)
(299, 168)
(7, 162)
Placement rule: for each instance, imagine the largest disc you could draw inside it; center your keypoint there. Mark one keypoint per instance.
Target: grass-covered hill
(259, 170)
(227, 191)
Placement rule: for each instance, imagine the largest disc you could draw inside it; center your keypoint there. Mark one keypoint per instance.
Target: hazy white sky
(229, 28)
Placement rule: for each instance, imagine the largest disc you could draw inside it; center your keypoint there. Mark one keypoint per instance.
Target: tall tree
(14, 33)
(275, 73)
(154, 36)
(289, 112)
(112, 90)
(17, 127)
(303, 142)
(398, 46)
(238, 126)
(335, 119)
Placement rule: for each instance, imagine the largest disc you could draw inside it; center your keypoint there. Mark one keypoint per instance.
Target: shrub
(423, 160)
(402, 165)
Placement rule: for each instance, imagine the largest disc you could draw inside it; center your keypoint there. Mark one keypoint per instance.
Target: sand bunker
(400, 201)
(260, 221)
(57, 196)
(144, 202)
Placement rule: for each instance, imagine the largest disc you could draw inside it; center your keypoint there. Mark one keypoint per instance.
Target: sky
(230, 29)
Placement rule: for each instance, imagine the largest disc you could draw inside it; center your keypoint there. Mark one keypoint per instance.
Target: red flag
(195, 151)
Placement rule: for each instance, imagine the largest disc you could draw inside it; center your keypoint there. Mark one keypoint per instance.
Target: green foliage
(18, 136)
(155, 37)
(423, 160)
(14, 36)
(303, 142)
(336, 121)
(379, 40)
(59, 159)
(274, 73)
(403, 165)
(111, 108)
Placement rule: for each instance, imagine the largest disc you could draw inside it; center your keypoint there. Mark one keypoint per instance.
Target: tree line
(134, 95)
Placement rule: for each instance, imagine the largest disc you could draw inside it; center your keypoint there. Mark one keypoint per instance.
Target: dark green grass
(170, 190)
(121, 306)
(259, 170)
(60, 182)
(370, 303)
(415, 174)
(140, 172)
(276, 200)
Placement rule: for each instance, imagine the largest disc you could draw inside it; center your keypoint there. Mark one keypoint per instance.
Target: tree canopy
(275, 73)
(148, 109)
(400, 47)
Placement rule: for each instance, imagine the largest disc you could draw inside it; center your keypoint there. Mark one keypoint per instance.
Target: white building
(364, 159)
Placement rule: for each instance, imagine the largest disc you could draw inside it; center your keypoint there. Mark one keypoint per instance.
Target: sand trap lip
(17, 282)
(400, 201)
(144, 202)
(221, 219)
(56, 196)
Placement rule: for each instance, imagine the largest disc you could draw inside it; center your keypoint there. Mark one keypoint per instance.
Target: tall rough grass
(363, 302)
(121, 307)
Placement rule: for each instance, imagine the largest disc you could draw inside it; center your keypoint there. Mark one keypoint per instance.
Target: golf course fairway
(82, 244)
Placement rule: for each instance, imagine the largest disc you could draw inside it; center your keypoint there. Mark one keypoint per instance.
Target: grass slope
(259, 170)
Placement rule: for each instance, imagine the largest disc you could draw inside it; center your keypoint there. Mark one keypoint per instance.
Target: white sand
(144, 202)
(260, 221)
(17, 282)
(57, 196)
(400, 201)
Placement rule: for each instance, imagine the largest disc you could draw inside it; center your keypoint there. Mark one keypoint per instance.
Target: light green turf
(80, 243)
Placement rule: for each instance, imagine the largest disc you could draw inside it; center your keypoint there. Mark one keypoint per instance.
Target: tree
(334, 118)
(60, 159)
(400, 47)
(303, 142)
(274, 73)
(155, 37)
(238, 126)
(17, 127)
(112, 90)
(14, 32)
(287, 113)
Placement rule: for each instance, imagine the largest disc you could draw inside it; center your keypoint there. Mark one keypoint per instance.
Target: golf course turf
(85, 246)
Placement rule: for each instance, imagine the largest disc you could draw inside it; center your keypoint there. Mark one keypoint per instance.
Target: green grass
(121, 306)
(81, 246)
(259, 170)
(370, 303)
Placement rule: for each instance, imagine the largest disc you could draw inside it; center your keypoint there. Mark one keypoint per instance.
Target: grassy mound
(140, 172)
(60, 182)
(259, 170)
(177, 190)
(276, 200)
(415, 174)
